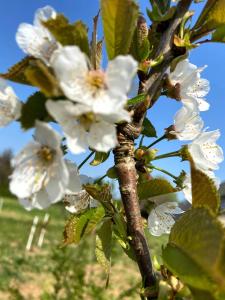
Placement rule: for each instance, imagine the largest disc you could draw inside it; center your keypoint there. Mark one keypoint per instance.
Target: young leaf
(79, 226)
(100, 157)
(154, 187)
(104, 245)
(34, 109)
(119, 21)
(39, 75)
(69, 34)
(17, 72)
(195, 252)
(204, 191)
(219, 35)
(148, 129)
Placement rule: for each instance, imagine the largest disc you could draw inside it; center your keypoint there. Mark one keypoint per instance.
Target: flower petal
(45, 135)
(44, 14)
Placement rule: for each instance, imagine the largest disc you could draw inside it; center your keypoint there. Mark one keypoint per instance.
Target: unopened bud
(111, 173)
(150, 155)
(139, 153)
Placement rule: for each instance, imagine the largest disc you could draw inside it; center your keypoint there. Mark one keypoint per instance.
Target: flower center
(96, 80)
(46, 154)
(87, 119)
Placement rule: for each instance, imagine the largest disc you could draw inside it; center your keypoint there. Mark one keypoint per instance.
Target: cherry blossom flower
(186, 77)
(204, 151)
(100, 99)
(105, 92)
(160, 220)
(40, 173)
(35, 40)
(10, 106)
(77, 200)
(187, 122)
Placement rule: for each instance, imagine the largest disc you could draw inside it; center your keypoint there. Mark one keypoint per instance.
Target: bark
(124, 153)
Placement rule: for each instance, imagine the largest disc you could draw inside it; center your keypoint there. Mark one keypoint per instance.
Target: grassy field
(53, 272)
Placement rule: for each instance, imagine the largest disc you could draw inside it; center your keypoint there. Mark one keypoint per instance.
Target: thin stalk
(100, 179)
(164, 171)
(166, 155)
(157, 141)
(86, 159)
(141, 141)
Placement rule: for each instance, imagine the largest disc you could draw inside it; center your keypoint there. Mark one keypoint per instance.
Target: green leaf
(100, 157)
(204, 191)
(34, 109)
(78, 226)
(104, 245)
(162, 5)
(201, 295)
(69, 34)
(39, 75)
(212, 17)
(119, 21)
(219, 35)
(148, 129)
(139, 98)
(154, 187)
(196, 249)
(17, 72)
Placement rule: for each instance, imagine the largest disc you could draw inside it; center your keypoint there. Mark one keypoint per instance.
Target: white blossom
(35, 40)
(98, 99)
(10, 106)
(105, 92)
(190, 84)
(187, 190)
(187, 122)
(40, 173)
(161, 220)
(204, 151)
(78, 200)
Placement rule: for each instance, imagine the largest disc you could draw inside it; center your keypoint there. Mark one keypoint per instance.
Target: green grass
(58, 273)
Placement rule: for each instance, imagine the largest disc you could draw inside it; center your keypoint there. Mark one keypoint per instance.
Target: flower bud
(150, 155)
(139, 153)
(111, 173)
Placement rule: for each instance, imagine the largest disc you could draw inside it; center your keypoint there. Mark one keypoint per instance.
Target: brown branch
(124, 153)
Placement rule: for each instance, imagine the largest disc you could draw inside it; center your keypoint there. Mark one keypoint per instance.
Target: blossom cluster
(188, 126)
(95, 102)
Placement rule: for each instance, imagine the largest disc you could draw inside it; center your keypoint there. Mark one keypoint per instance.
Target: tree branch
(124, 152)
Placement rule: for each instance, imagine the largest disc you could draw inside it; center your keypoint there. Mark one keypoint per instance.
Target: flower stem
(86, 159)
(157, 141)
(163, 171)
(170, 154)
(141, 141)
(100, 179)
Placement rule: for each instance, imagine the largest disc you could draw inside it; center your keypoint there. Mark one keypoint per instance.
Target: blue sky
(14, 12)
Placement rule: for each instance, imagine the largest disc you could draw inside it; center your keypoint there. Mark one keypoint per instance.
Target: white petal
(46, 136)
(70, 66)
(10, 106)
(188, 188)
(35, 41)
(102, 136)
(41, 200)
(77, 140)
(74, 185)
(44, 14)
(120, 74)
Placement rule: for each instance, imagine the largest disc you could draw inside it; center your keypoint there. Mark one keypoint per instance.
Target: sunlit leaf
(148, 128)
(99, 158)
(119, 21)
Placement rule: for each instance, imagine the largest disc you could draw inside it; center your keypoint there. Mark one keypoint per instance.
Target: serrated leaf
(39, 75)
(34, 109)
(162, 5)
(195, 250)
(139, 98)
(119, 21)
(69, 34)
(78, 226)
(148, 129)
(204, 191)
(102, 193)
(154, 187)
(100, 157)
(17, 72)
(104, 246)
